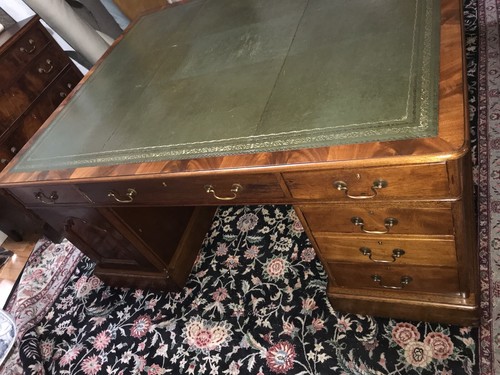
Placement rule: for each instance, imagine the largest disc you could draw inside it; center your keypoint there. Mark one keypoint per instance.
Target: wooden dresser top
(218, 85)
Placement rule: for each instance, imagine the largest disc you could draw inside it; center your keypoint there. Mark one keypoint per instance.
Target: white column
(71, 27)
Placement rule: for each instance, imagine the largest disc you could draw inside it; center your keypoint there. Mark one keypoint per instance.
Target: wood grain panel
(191, 190)
(417, 250)
(423, 279)
(425, 221)
(403, 182)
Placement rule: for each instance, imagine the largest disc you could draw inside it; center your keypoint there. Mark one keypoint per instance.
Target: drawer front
(395, 278)
(387, 250)
(21, 53)
(400, 182)
(18, 138)
(16, 99)
(214, 190)
(63, 85)
(24, 128)
(28, 124)
(378, 219)
(48, 195)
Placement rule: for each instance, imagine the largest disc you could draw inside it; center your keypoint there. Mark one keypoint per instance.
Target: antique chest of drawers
(35, 77)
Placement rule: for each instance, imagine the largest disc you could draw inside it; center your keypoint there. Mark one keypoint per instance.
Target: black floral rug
(255, 303)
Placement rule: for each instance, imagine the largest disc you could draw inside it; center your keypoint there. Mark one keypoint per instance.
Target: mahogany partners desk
(352, 111)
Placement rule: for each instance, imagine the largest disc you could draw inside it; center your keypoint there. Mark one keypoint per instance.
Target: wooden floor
(12, 269)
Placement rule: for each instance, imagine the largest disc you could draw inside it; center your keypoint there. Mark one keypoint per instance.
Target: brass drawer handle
(235, 189)
(51, 199)
(377, 185)
(405, 280)
(388, 224)
(46, 70)
(31, 42)
(128, 198)
(396, 253)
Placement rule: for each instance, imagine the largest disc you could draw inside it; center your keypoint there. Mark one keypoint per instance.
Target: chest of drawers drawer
(20, 53)
(16, 99)
(210, 190)
(377, 183)
(16, 136)
(35, 76)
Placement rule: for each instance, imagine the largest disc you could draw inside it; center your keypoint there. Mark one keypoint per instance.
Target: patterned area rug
(47, 271)
(488, 181)
(255, 301)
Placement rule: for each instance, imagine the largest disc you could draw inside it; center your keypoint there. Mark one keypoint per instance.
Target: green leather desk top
(217, 77)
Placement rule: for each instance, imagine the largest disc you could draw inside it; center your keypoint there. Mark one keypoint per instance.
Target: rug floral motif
(255, 303)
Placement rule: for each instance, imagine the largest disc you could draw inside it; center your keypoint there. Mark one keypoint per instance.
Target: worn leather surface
(215, 77)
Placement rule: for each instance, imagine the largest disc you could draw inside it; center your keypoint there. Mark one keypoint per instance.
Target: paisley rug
(255, 302)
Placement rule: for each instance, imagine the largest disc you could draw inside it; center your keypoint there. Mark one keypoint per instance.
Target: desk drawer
(376, 219)
(400, 182)
(216, 190)
(48, 195)
(395, 278)
(386, 249)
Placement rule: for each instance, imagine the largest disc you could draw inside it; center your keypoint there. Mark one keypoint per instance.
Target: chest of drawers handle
(62, 94)
(389, 222)
(48, 69)
(405, 280)
(51, 199)
(128, 198)
(235, 189)
(396, 253)
(377, 185)
(32, 48)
